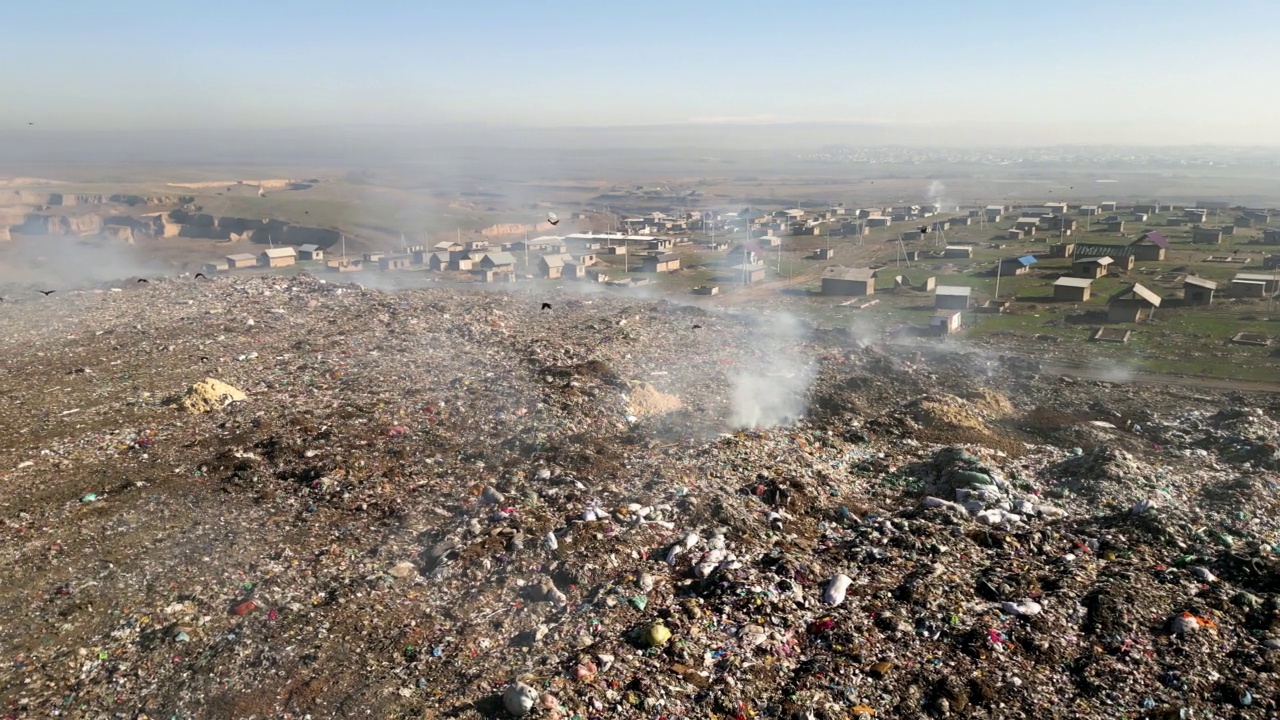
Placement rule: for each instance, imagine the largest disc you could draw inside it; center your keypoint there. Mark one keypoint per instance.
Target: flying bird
(924, 229)
(200, 275)
(47, 293)
(546, 306)
(697, 327)
(143, 280)
(551, 218)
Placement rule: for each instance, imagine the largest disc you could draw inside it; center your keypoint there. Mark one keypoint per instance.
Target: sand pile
(647, 401)
(210, 395)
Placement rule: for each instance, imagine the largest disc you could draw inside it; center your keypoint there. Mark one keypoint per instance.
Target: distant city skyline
(1172, 71)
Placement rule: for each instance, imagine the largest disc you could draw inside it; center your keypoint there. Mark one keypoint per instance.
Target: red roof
(1157, 239)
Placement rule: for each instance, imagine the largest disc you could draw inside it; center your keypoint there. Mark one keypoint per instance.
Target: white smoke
(938, 197)
(774, 389)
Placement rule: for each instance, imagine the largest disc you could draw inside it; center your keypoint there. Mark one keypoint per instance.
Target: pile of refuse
(451, 503)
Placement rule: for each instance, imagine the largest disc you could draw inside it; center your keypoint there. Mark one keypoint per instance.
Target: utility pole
(999, 267)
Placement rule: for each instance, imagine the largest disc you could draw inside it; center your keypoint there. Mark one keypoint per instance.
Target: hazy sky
(1204, 68)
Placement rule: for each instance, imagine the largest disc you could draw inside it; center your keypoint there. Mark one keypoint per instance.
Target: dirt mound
(935, 412)
(989, 404)
(647, 401)
(210, 395)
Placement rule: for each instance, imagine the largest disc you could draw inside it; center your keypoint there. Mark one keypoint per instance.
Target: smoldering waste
(450, 504)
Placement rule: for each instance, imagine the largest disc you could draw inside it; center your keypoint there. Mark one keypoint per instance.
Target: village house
(439, 261)
(278, 257)
(1122, 256)
(1148, 208)
(955, 222)
(1176, 222)
(1064, 224)
(747, 273)
(551, 267)
(768, 241)
(448, 247)
(574, 269)
(1132, 304)
(1269, 281)
(1151, 247)
(1228, 229)
(598, 274)
(585, 259)
(824, 253)
(1072, 289)
(958, 251)
(743, 252)
(1016, 265)
(1028, 225)
(373, 257)
(494, 275)
(855, 282)
(662, 262)
(1271, 262)
(945, 322)
(1090, 210)
(1243, 221)
(1143, 217)
(241, 260)
(1196, 215)
(1013, 234)
(878, 222)
(549, 244)
(216, 266)
(1197, 290)
(994, 212)
(481, 246)
(911, 236)
(395, 262)
(1206, 236)
(502, 262)
(310, 252)
(344, 265)
(952, 297)
(1108, 206)
(1036, 212)
(662, 243)
(1090, 268)
(1116, 226)
(1271, 236)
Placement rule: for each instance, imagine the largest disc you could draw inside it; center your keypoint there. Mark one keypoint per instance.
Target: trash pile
(452, 503)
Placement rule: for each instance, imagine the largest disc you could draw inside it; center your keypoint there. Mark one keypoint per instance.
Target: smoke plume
(773, 389)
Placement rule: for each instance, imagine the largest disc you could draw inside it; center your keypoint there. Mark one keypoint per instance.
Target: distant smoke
(938, 196)
(72, 263)
(773, 389)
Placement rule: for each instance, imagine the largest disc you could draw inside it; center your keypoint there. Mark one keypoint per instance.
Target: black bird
(697, 327)
(47, 293)
(142, 280)
(546, 306)
(200, 275)
(924, 229)
(31, 123)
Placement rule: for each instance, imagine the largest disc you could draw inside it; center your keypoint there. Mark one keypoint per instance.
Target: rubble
(447, 503)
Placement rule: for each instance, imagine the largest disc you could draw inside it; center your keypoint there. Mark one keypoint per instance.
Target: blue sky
(278, 63)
